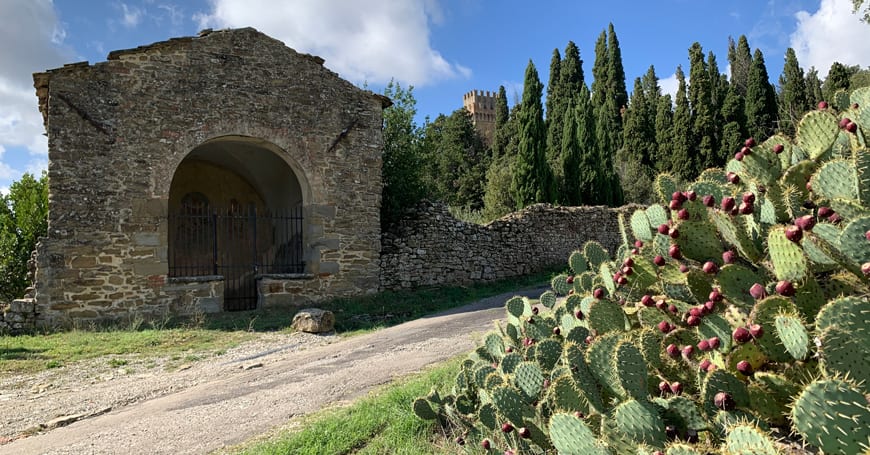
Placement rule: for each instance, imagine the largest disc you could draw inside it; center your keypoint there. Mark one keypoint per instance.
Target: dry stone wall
(430, 247)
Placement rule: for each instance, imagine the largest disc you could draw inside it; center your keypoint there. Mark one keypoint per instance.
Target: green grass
(194, 339)
(381, 423)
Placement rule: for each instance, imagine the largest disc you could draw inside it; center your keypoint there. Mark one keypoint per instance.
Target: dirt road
(240, 399)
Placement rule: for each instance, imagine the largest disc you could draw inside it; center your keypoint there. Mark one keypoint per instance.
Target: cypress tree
(532, 180)
(608, 189)
(570, 76)
(682, 164)
(701, 105)
(734, 121)
(587, 147)
(740, 58)
(639, 140)
(814, 88)
(793, 93)
(570, 161)
(502, 115)
(599, 71)
(553, 110)
(616, 89)
(664, 133)
(718, 91)
(760, 100)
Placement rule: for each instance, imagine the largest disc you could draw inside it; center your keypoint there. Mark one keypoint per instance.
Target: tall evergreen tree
(571, 76)
(719, 90)
(793, 93)
(502, 115)
(532, 179)
(734, 121)
(740, 59)
(590, 168)
(682, 164)
(569, 193)
(664, 133)
(701, 105)
(616, 85)
(814, 88)
(457, 150)
(554, 113)
(760, 100)
(639, 140)
(599, 71)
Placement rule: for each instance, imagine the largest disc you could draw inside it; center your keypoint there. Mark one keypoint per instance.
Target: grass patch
(208, 335)
(380, 423)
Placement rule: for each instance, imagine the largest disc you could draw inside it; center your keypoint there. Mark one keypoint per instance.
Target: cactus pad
(511, 405)
(560, 284)
(665, 186)
(845, 354)
(640, 226)
(833, 416)
(789, 262)
(606, 316)
(854, 243)
(571, 436)
(792, 334)
(510, 362)
(494, 345)
(764, 313)
(577, 262)
(595, 254)
(770, 395)
(734, 282)
(699, 241)
(547, 353)
(423, 409)
(849, 313)
(723, 381)
(640, 421)
(517, 307)
(564, 396)
(817, 132)
(836, 179)
(600, 356)
(631, 370)
(735, 233)
(748, 440)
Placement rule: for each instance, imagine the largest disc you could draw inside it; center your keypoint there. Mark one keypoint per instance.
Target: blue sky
(443, 48)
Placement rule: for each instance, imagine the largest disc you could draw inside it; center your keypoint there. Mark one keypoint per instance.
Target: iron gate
(237, 244)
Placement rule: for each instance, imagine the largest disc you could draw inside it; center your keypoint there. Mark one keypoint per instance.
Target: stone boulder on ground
(314, 320)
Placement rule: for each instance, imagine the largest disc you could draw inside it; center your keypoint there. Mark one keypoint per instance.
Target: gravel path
(226, 399)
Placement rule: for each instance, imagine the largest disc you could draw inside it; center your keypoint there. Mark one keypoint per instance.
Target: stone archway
(236, 211)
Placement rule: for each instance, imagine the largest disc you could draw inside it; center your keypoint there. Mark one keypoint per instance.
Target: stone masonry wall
(430, 247)
(117, 131)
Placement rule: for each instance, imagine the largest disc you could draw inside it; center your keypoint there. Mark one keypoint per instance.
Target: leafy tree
(702, 112)
(458, 160)
(856, 5)
(501, 136)
(838, 79)
(664, 134)
(23, 220)
(532, 178)
(793, 93)
(681, 159)
(498, 198)
(760, 100)
(740, 59)
(814, 88)
(402, 160)
(861, 78)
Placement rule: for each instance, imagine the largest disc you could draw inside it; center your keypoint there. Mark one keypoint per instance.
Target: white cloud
(37, 166)
(34, 43)
(131, 15)
(669, 85)
(362, 40)
(831, 34)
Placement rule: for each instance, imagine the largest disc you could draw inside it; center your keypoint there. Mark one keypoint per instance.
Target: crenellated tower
(481, 105)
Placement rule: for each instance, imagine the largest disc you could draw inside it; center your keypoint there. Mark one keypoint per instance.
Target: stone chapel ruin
(219, 172)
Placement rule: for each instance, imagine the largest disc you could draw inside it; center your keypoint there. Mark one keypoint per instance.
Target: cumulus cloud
(38, 37)
(363, 40)
(831, 34)
(669, 85)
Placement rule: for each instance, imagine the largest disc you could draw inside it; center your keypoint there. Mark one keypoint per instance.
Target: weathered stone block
(314, 320)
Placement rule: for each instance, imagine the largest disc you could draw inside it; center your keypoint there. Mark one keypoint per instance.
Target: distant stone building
(200, 174)
(481, 105)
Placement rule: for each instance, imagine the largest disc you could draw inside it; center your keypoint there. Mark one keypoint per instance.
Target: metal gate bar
(236, 244)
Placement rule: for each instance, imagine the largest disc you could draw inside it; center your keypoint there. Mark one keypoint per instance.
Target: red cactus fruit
(744, 367)
(805, 223)
(708, 200)
(778, 148)
(673, 350)
(785, 288)
(741, 335)
(756, 331)
(794, 233)
(724, 401)
(757, 291)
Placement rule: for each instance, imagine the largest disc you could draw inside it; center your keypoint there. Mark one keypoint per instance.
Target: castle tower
(481, 106)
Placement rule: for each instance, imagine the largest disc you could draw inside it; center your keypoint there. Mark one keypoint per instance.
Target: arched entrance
(235, 212)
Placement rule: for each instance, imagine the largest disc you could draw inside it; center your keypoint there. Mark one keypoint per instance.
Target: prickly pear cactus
(741, 313)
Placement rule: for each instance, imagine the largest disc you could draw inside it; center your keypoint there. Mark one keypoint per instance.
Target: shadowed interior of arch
(235, 211)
